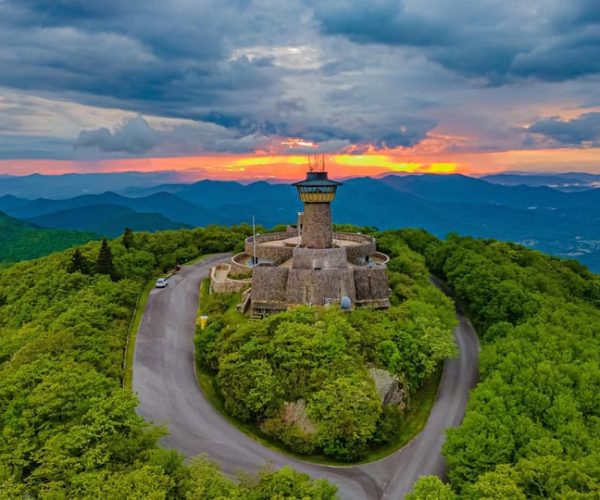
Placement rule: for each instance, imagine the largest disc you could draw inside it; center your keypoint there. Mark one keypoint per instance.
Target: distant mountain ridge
(560, 222)
(571, 181)
(69, 185)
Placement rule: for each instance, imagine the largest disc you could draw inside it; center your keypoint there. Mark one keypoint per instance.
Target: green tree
(79, 263)
(347, 411)
(288, 483)
(127, 238)
(496, 485)
(208, 482)
(430, 488)
(249, 386)
(104, 261)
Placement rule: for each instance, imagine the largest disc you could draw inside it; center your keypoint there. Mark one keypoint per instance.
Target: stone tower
(317, 192)
(309, 264)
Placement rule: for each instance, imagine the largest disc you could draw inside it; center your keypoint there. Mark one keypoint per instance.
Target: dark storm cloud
(379, 21)
(146, 59)
(581, 131)
(497, 41)
(409, 133)
(174, 59)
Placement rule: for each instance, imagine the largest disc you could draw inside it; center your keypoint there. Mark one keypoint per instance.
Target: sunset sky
(244, 89)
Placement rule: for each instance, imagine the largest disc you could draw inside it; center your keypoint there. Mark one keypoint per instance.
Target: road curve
(165, 381)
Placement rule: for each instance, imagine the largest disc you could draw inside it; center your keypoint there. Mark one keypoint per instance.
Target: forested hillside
(532, 428)
(21, 241)
(68, 429)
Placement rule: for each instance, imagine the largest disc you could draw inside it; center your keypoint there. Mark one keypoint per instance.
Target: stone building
(310, 263)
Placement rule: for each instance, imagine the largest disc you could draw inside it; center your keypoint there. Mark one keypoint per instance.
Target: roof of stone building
(316, 179)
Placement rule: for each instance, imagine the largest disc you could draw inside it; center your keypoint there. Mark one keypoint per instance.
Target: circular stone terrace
(276, 249)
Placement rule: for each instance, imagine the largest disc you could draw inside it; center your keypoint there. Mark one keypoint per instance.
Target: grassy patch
(204, 291)
(134, 326)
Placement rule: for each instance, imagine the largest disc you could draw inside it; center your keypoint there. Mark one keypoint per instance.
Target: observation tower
(317, 192)
(308, 263)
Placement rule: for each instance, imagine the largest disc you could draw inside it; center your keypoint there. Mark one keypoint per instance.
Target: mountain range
(563, 222)
(68, 185)
(573, 181)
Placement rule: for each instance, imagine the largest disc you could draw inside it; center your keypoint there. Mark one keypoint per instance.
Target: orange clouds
(288, 167)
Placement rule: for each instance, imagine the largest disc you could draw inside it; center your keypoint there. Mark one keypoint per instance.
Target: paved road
(164, 378)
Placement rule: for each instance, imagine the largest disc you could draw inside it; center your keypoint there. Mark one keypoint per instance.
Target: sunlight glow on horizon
(283, 167)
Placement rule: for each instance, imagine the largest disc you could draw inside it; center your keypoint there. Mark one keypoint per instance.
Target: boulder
(390, 389)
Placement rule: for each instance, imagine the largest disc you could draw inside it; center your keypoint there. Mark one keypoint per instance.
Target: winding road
(165, 381)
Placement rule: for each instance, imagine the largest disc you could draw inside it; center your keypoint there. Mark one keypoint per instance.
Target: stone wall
(226, 284)
(365, 245)
(320, 258)
(276, 254)
(362, 250)
(263, 238)
(305, 286)
(316, 226)
(371, 284)
(269, 284)
(382, 257)
(236, 266)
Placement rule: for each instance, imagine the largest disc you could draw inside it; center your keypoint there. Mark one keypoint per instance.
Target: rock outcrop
(294, 413)
(389, 387)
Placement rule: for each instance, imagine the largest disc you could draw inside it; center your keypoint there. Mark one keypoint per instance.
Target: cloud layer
(190, 77)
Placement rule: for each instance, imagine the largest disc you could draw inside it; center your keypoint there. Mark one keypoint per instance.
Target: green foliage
(104, 261)
(67, 428)
(79, 264)
(532, 427)
(303, 375)
(347, 411)
(208, 482)
(21, 241)
(127, 238)
(250, 389)
(431, 488)
(287, 483)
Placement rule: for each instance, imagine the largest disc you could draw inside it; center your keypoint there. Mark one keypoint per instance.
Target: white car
(162, 282)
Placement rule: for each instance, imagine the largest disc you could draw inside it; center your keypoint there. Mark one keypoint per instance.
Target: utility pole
(253, 241)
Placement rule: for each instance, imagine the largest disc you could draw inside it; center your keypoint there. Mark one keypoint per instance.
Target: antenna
(316, 163)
